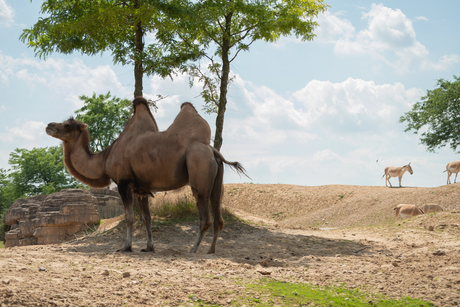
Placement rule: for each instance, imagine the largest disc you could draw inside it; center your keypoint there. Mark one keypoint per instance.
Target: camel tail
(382, 176)
(445, 171)
(235, 165)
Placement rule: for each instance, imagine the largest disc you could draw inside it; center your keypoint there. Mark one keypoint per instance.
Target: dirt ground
(326, 235)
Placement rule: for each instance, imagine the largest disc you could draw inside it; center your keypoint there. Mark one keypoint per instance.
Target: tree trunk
(138, 69)
(223, 84)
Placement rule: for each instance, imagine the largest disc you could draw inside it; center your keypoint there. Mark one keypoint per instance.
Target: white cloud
(66, 78)
(6, 14)
(27, 130)
(421, 18)
(390, 38)
(331, 28)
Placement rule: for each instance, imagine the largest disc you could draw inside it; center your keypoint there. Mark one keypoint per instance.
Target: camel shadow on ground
(239, 242)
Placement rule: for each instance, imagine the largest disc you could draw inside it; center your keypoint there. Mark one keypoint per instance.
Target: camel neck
(85, 166)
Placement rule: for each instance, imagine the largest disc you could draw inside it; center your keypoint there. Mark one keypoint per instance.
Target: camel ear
(408, 164)
(83, 126)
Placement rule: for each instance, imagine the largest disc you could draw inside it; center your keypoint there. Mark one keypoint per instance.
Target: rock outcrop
(109, 201)
(48, 219)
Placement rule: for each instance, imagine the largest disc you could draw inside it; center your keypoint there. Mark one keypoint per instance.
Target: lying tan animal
(405, 211)
(428, 208)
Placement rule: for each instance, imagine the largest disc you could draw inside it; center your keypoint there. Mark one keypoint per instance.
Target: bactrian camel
(452, 168)
(144, 160)
(404, 211)
(392, 171)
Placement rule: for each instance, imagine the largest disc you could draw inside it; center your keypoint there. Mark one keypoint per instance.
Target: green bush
(3, 227)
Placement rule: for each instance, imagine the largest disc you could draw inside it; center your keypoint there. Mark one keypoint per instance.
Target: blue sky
(306, 113)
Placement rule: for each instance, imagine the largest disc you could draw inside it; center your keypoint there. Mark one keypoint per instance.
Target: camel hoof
(125, 250)
(146, 250)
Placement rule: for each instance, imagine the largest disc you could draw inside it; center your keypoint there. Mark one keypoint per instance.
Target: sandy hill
(302, 207)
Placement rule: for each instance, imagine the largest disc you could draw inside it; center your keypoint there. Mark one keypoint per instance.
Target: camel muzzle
(50, 130)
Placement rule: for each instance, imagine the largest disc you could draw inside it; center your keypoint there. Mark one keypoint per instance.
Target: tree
(105, 118)
(232, 26)
(5, 198)
(93, 27)
(38, 171)
(437, 115)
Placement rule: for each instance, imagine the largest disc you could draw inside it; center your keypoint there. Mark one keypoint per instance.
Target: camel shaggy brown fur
(143, 160)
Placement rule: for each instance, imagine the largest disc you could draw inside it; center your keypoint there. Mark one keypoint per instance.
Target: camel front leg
(125, 192)
(400, 177)
(146, 216)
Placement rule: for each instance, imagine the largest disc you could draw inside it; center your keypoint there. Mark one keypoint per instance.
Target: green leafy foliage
(93, 27)
(38, 171)
(437, 116)
(225, 28)
(105, 117)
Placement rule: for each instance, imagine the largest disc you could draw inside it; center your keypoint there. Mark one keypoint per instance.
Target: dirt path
(398, 261)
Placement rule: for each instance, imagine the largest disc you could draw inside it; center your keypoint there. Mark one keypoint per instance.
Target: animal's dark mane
(142, 100)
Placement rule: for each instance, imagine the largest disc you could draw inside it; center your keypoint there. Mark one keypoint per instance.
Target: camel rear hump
(189, 122)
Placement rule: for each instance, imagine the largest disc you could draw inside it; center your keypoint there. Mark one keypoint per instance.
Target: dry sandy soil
(324, 235)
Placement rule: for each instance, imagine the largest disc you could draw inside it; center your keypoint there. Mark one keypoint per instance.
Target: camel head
(67, 131)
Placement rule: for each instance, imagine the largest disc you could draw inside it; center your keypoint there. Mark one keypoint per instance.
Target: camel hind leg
(216, 204)
(202, 169)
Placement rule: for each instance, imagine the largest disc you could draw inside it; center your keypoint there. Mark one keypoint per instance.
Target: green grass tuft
(2, 244)
(268, 292)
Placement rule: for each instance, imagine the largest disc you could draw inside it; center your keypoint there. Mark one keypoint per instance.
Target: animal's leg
(202, 170)
(126, 193)
(400, 177)
(448, 177)
(386, 178)
(455, 180)
(389, 180)
(216, 205)
(202, 202)
(145, 210)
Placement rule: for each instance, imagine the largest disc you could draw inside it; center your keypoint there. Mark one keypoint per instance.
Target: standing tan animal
(452, 168)
(428, 208)
(143, 160)
(405, 211)
(392, 171)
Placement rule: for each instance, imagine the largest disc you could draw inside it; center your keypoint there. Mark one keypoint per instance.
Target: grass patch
(2, 244)
(268, 292)
(179, 206)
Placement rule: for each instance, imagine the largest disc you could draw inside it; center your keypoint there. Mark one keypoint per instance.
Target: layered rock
(109, 201)
(48, 219)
